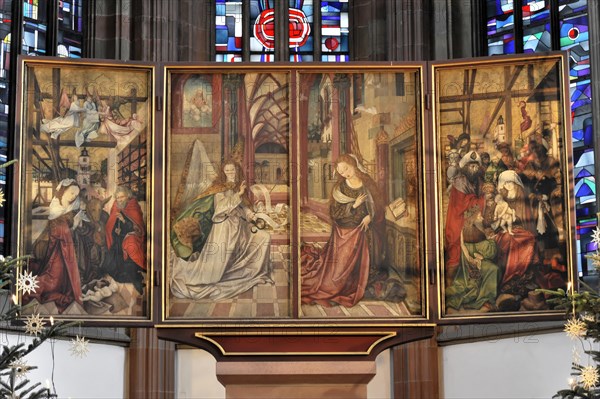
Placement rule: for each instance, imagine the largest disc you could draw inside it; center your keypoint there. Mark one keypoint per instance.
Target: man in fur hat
(465, 193)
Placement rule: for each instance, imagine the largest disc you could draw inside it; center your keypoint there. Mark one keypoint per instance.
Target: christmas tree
(13, 365)
(583, 325)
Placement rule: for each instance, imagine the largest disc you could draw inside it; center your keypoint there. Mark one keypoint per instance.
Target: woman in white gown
(217, 252)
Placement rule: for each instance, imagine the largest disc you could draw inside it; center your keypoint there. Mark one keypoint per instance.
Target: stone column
(368, 30)
(415, 370)
(151, 366)
(108, 34)
(408, 26)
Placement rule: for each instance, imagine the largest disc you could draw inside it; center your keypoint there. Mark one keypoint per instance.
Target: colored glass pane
(34, 38)
(301, 22)
(262, 30)
(34, 27)
(536, 26)
(70, 32)
(500, 26)
(229, 58)
(574, 36)
(70, 45)
(228, 30)
(70, 13)
(334, 30)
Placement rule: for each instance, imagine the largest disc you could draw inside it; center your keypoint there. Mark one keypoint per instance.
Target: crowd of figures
(85, 253)
(504, 231)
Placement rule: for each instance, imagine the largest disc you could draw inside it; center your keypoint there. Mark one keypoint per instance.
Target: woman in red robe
(339, 273)
(55, 261)
(517, 251)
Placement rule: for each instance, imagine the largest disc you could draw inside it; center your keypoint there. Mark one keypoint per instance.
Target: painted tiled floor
(273, 300)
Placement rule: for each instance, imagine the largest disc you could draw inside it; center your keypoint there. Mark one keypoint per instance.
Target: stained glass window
(334, 31)
(5, 69)
(575, 38)
(228, 33)
(317, 30)
(70, 28)
(262, 30)
(35, 27)
(500, 26)
(536, 26)
(568, 31)
(301, 14)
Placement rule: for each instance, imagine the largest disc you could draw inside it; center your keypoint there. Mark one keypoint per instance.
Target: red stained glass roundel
(299, 27)
(331, 43)
(264, 28)
(573, 33)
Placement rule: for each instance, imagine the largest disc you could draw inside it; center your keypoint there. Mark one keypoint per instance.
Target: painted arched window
(246, 30)
(529, 26)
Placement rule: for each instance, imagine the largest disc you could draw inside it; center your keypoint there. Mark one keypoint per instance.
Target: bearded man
(465, 193)
(126, 240)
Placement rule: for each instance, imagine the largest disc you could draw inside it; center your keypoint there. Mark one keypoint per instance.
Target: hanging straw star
(575, 328)
(34, 324)
(79, 347)
(596, 236)
(589, 377)
(21, 368)
(27, 282)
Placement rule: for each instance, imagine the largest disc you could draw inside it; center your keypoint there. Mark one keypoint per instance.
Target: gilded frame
(370, 120)
(216, 119)
(84, 196)
(187, 304)
(504, 189)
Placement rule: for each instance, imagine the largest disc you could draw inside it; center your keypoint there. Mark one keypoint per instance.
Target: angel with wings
(217, 251)
(68, 118)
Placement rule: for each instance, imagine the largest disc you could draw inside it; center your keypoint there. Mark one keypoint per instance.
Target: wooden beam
(71, 143)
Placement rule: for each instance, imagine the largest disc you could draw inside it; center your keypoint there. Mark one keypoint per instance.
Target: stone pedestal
(308, 379)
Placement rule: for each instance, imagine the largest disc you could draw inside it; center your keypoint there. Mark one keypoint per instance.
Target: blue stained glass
(584, 190)
(228, 30)
(495, 7)
(574, 31)
(583, 173)
(591, 246)
(334, 30)
(569, 7)
(221, 34)
(591, 200)
(586, 158)
(301, 29)
(232, 44)
(510, 21)
(540, 16)
(540, 41)
(588, 137)
(509, 47)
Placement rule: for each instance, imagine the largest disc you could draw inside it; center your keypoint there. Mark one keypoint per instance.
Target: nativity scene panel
(228, 174)
(361, 244)
(504, 186)
(85, 189)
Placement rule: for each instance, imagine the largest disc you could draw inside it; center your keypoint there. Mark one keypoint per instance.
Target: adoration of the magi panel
(504, 187)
